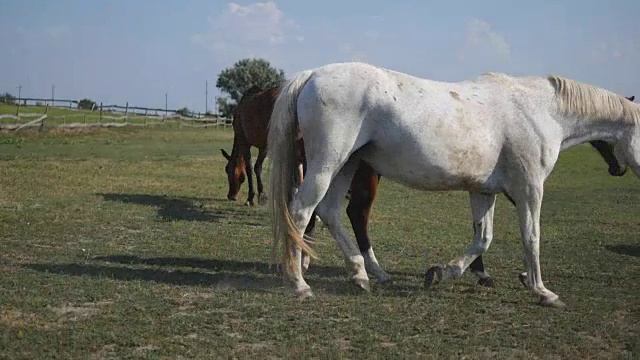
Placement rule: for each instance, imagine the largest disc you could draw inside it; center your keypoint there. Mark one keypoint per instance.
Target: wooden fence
(105, 116)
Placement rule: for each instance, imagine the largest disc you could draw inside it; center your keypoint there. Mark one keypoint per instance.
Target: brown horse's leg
(246, 154)
(262, 154)
(364, 186)
(477, 267)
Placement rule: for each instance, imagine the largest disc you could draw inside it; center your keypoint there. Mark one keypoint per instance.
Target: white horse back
(425, 134)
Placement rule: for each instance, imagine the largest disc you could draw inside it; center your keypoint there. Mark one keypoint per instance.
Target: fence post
(46, 110)
(18, 108)
(126, 110)
(100, 116)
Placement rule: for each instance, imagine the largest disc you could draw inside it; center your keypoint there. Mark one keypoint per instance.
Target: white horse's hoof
(304, 293)
(553, 302)
(362, 284)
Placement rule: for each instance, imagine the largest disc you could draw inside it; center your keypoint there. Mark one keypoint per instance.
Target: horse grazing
(250, 122)
(494, 134)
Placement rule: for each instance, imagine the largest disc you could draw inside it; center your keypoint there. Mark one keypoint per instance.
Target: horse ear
(631, 98)
(226, 156)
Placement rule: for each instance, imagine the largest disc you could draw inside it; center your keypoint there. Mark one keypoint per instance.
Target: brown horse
(250, 125)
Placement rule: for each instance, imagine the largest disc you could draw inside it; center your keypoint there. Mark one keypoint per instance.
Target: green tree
(86, 104)
(244, 74)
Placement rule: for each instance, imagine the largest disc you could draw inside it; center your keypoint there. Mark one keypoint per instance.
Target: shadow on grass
(213, 264)
(229, 274)
(169, 208)
(182, 208)
(226, 265)
(218, 281)
(631, 250)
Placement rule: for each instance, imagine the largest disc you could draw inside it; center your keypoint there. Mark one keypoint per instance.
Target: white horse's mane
(584, 100)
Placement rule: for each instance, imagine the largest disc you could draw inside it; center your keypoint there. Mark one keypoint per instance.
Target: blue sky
(116, 51)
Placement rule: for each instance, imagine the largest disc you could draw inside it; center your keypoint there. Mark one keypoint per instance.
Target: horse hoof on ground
(304, 293)
(248, 203)
(433, 276)
(486, 282)
(363, 284)
(555, 303)
(262, 199)
(387, 280)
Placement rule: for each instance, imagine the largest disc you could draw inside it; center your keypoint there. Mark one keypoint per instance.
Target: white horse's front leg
(528, 206)
(482, 206)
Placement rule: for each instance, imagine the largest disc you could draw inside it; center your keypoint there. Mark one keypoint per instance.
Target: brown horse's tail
(283, 127)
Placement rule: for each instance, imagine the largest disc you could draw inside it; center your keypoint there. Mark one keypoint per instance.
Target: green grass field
(121, 244)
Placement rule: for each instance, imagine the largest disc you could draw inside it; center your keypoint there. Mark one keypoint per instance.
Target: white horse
(494, 134)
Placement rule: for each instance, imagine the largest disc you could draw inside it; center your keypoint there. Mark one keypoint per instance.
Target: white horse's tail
(283, 128)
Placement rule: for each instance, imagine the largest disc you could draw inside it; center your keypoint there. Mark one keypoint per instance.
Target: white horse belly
(427, 163)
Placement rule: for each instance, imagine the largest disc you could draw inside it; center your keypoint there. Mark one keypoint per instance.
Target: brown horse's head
(235, 174)
(606, 151)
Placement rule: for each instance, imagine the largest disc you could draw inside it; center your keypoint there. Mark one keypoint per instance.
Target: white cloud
(482, 39)
(254, 29)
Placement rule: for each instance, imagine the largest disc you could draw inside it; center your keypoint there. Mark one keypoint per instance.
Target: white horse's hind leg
(482, 206)
(300, 215)
(329, 211)
(305, 199)
(528, 205)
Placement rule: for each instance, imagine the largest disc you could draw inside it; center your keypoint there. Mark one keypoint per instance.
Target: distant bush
(7, 98)
(184, 112)
(86, 104)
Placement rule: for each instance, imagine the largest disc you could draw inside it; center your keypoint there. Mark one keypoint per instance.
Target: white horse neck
(588, 113)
